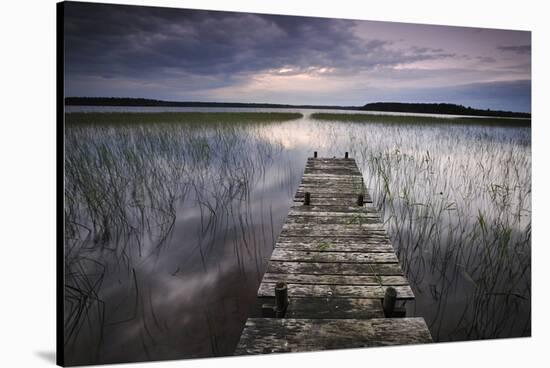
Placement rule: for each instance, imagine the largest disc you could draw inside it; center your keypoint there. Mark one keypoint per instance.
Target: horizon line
(292, 105)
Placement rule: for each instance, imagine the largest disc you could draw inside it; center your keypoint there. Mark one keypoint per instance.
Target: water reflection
(169, 226)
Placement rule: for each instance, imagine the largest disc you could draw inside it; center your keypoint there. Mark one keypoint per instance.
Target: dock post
(388, 304)
(360, 200)
(315, 154)
(307, 198)
(281, 299)
(346, 156)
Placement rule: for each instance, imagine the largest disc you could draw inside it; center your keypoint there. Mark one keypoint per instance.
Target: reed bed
(126, 186)
(176, 117)
(418, 119)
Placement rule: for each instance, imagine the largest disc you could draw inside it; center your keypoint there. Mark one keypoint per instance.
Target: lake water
(169, 226)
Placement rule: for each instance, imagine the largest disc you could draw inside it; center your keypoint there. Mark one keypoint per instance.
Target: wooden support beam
(281, 299)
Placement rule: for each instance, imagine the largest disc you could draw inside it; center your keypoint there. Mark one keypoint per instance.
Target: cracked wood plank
(338, 228)
(324, 220)
(318, 210)
(334, 279)
(332, 201)
(326, 308)
(331, 257)
(279, 335)
(359, 232)
(336, 291)
(336, 247)
(333, 211)
(335, 239)
(316, 268)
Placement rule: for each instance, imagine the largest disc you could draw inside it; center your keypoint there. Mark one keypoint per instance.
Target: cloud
(110, 40)
(181, 54)
(486, 59)
(521, 49)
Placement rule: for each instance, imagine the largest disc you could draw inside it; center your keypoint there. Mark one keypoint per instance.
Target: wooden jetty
(333, 279)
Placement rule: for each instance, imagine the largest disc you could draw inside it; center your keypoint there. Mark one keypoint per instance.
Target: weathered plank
(331, 170)
(331, 159)
(358, 218)
(335, 239)
(318, 174)
(389, 269)
(348, 192)
(332, 211)
(355, 231)
(334, 279)
(344, 220)
(340, 229)
(318, 210)
(336, 174)
(330, 166)
(331, 183)
(274, 335)
(336, 247)
(331, 201)
(334, 308)
(335, 193)
(331, 186)
(288, 255)
(337, 291)
(347, 175)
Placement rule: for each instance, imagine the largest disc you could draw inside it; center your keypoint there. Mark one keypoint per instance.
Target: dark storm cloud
(181, 54)
(521, 49)
(139, 42)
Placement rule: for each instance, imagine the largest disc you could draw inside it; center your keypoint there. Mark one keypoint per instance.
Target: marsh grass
(415, 119)
(125, 187)
(456, 202)
(176, 117)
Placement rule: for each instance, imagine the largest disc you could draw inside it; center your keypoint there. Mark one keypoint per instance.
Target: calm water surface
(169, 226)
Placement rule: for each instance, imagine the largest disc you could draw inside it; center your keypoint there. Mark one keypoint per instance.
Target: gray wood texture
(336, 291)
(272, 335)
(326, 308)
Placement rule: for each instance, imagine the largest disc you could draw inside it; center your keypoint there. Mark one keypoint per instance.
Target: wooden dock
(333, 279)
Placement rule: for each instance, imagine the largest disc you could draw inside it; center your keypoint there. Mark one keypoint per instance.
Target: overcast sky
(191, 55)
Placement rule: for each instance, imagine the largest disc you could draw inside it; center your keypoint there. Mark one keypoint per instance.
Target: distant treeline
(423, 108)
(440, 108)
(121, 101)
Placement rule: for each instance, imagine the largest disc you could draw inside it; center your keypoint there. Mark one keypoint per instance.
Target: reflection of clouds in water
(177, 304)
(304, 134)
(184, 290)
(290, 135)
